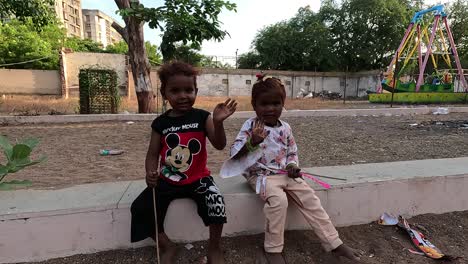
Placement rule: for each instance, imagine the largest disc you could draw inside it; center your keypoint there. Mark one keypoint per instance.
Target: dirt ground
(377, 244)
(21, 105)
(73, 149)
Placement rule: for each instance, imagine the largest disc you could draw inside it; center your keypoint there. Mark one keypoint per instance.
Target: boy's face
(181, 93)
(268, 107)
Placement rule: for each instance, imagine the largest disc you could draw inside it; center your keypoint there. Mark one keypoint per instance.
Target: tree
(212, 62)
(249, 60)
(40, 12)
(301, 43)
(179, 20)
(83, 45)
(367, 32)
(153, 54)
(121, 47)
(21, 42)
(458, 18)
(360, 34)
(187, 54)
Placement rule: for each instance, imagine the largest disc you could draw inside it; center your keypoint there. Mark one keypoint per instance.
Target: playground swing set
(427, 38)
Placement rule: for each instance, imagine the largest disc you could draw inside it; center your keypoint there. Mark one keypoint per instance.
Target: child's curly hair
(174, 68)
(266, 84)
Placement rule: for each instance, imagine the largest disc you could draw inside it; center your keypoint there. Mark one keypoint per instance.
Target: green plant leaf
(5, 186)
(28, 162)
(30, 142)
(3, 171)
(6, 146)
(20, 151)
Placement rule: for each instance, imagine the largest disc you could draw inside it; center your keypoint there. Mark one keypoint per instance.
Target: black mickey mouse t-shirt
(183, 146)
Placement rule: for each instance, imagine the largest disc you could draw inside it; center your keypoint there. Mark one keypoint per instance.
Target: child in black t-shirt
(178, 142)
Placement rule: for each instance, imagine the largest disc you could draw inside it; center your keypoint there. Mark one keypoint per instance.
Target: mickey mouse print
(183, 147)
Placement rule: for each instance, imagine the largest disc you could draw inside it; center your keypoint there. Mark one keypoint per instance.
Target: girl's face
(268, 107)
(181, 93)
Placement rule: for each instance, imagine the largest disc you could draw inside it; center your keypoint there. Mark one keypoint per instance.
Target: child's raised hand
(224, 110)
(293, 171)
(258, 132)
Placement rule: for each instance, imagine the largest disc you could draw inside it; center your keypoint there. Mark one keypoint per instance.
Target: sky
(251, 16)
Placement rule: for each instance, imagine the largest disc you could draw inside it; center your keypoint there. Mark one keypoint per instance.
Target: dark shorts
(204, 192)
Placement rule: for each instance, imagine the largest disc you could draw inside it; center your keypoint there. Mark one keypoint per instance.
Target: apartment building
(98, 27)
(70, 14)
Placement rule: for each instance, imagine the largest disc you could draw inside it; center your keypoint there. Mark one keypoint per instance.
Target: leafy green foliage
(98, 91)
(186, 21)
(18, 158)
(153, 54)
(120, 47)
(249, 60)
(212, 62)
(188, 54)
(83, 45)
(358, 34)
(20, 42)
(151, 51)
(40, 12)
(458, 14)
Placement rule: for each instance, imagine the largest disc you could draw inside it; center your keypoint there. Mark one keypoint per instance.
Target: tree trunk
(133, 35)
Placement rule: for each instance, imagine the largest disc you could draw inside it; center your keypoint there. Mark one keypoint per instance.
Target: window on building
(225, 81)
(288, 82)
(88, 34)
(248, 82)
(87, 18)
(65, 16)
(307, 83)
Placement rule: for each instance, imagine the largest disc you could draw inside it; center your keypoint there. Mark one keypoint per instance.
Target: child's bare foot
(168, 249)
(215, 255)
(275, 258)
(347, 252)
(168, 254)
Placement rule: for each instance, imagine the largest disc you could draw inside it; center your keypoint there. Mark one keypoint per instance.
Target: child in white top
(266, 153)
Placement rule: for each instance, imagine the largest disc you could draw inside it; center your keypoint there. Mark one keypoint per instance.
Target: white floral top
(277, 151)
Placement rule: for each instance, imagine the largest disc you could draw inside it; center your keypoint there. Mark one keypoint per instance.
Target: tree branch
(122, 4)
(122, 31)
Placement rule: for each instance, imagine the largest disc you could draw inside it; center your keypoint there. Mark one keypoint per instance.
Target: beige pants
(278, 188)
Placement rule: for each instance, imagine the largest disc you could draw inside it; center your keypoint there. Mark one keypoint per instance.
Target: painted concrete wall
(58, 234)
(218, 82)
(79, 60)
(211, 82)
(29, 82)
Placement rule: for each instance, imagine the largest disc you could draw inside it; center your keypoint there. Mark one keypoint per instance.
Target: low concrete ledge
(37, 225)
(14, 120)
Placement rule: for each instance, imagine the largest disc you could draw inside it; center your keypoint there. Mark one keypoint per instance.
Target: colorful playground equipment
(427, 38)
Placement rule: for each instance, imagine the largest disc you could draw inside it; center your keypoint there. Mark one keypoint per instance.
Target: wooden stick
(329, 177)
(156, 225)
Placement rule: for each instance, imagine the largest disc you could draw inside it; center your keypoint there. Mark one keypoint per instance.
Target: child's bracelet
(250, 147)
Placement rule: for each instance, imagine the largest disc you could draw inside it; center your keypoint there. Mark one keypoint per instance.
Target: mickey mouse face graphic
(179, 157)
